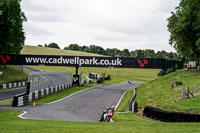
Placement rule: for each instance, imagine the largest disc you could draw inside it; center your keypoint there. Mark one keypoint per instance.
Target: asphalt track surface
(84, 106)
(9, 94)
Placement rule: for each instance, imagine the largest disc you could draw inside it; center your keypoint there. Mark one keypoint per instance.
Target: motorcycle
(107, 115)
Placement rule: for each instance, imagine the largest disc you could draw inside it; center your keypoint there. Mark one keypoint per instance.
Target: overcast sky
(132, 24)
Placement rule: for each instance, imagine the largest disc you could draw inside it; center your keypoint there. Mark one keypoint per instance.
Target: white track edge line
(21, 115)
(120, 100)
(71, 95)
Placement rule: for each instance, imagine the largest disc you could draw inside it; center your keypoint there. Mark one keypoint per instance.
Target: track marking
(21, 115)
(120, 100)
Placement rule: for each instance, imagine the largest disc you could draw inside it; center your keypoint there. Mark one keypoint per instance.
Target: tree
(53, 45)
(149, 53)
(126, 53)
(82, 48)
(184, 28)
(162, 54)
(113, 52)
(86, 49)
(97, 49)
(75, 47)
(138, 53)
(11, 27)
(40, 45)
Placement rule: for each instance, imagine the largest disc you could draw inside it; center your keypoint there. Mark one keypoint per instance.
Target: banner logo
(142, 64)
(4, 60)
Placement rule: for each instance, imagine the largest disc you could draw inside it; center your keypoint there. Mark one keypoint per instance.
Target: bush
(166, 71)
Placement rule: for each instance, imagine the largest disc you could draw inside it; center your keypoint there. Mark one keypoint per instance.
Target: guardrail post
(77, 70)
(132, 99)
(28, 86)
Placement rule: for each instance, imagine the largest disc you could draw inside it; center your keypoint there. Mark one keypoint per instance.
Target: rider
(129, 81)
(112, 110)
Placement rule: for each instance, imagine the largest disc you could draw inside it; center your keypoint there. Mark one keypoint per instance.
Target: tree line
(114, 52)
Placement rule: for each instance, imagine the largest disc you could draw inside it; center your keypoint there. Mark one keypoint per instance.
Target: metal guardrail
(41, 80)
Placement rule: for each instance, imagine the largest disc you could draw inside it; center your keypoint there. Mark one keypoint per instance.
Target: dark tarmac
(83, 106)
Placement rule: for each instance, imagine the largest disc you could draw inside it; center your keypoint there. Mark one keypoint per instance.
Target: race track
(9, 94)
(84, 106)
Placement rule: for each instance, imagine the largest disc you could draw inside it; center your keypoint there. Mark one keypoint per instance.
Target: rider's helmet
(113, 107)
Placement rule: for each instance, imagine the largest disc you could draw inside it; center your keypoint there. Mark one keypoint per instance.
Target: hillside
(159, 93)
(52, 51)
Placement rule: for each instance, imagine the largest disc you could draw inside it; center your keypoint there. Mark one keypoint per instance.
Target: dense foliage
(11, 27)
(184, 26)
(114, 52)
(53, 45)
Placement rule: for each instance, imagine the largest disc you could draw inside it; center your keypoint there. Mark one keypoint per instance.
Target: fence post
(183, 94)
(28, 85)
(188, 92)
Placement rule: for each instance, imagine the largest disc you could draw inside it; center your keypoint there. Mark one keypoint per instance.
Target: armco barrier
(166, 116)
(13, 85)
(24, 99)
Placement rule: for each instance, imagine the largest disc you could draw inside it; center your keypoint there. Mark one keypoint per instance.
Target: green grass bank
(159, 92)
(34, 50)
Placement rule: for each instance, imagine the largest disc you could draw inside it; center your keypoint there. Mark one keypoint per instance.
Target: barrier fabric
(89, 61)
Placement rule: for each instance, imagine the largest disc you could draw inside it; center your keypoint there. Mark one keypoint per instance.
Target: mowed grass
(118, 75)
(159, 93)
(124, 123)
(34, 50)
(6, 102)
(12, 74)
(125, 101)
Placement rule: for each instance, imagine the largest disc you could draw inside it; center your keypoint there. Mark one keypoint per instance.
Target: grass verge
(6, 102)
(159, 93)
(12, 74)
(125, 101)
(124, 123)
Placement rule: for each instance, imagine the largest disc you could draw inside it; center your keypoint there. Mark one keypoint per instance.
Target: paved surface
(84, 106)
(9, 94)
